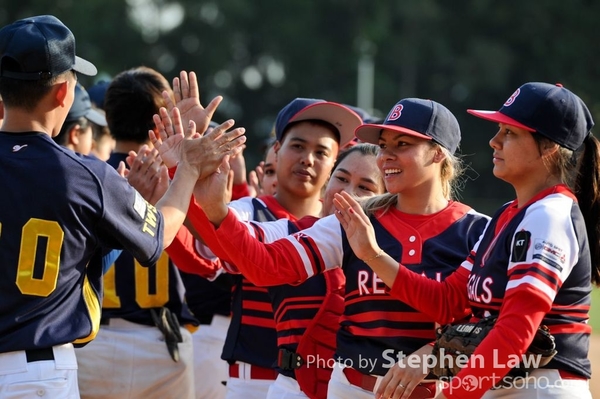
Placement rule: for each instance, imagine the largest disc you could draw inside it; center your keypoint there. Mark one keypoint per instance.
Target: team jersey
(531, 267)
(375, 328)
(131, 290)
(59, 210)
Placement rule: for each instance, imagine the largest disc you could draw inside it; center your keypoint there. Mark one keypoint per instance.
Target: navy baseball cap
(82, 106)
(416, 117)
(97, 93)
(300, 109)
(550, 110)
(39, 47)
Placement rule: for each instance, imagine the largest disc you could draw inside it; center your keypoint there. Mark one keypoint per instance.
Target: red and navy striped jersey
(130, 291)
(541, 252)
(375, 327)
(59, 210)
(532, 266)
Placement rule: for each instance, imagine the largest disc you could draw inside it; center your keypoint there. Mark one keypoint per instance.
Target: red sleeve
(183, 253)
(206, 230)
(263, 264)
(521, 313)
(444, 301)
(240, 191)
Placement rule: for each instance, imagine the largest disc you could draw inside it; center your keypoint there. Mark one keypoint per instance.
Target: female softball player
(535, 263)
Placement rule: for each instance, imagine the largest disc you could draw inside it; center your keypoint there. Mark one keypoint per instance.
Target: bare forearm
(174, 204)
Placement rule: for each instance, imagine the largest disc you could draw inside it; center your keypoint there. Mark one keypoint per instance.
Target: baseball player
(143, 347)
(536, 261)
(417, 222)
(61, 208)
(308, 132)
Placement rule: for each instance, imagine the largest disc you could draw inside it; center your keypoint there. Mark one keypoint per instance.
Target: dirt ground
(595, 359)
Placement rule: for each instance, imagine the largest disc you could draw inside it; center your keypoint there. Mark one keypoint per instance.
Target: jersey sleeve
(544, 249)
(184, 255)
(128, 220)
(289, 260)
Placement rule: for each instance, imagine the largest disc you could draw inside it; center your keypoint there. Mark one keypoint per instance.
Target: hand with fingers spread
(147, 174)
(187, 99)
(170, 133)
(357, 225)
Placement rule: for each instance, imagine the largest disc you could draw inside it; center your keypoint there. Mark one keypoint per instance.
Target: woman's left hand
(357, 226)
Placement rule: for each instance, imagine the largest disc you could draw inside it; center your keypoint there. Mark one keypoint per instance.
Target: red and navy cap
(550, 110)
(425, 119)
(39, 47)
(301, 109)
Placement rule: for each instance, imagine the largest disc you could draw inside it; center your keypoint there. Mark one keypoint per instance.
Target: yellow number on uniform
(32, 231)
(143, 297)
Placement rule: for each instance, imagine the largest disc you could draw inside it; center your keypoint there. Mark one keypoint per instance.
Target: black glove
(168, 324)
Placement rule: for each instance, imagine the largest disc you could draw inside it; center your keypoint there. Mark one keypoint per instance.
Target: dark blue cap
(425, 119)
(39, 47)
(97, 93)
(82, 107)
(364, 115)
(550, 110)
(300, 109)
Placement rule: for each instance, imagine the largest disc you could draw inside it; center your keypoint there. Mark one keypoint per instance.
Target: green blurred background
(260, 54)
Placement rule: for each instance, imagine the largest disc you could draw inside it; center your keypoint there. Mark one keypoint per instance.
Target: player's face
(305, 159)
(516, 156)
(408, 163)
(269, 181)
(83, 140)
(358, 175)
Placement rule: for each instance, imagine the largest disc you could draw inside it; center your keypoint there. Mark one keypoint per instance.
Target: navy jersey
(58, 210)
(206, 298)
(131, 290)
(374, 327)
(294, 306)
(543, 248)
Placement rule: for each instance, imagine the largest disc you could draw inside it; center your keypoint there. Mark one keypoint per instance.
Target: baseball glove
(456, 343)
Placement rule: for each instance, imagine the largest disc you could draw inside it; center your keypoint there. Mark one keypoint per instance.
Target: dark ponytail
(587, 189)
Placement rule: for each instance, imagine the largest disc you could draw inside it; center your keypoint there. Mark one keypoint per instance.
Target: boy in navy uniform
(60, 208)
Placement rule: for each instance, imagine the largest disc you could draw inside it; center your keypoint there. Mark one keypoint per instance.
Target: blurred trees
(259, 54)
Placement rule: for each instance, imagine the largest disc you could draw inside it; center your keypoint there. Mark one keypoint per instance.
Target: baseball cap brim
(96, 117)
(343, 118)
(496, 116)
(84, 67)
(369, 133)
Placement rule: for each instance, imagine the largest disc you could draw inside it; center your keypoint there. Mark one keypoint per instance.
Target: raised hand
(356, 224)
(214, 192)
(187, 99)
(147, 174)
(255, 178)
(170, 135)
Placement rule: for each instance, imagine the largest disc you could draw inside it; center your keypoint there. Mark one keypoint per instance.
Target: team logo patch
(549, 253)
(512, 98)
(395, 113)
(140, 205)
(520, 246)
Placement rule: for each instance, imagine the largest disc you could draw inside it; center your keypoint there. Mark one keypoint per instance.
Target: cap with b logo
(39, 47)
(550, 110)
(416, 117)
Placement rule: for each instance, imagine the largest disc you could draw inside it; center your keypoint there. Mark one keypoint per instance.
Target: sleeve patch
(549, 253)
(520, 246)
(140, 205)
